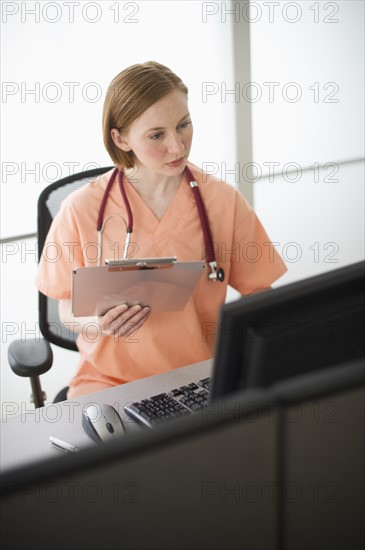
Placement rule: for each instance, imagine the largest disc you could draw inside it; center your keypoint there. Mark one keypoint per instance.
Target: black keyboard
(179, 402)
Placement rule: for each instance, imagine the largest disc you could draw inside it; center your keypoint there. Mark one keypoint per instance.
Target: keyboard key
(205, 382)
(158, 397)
(175, 392)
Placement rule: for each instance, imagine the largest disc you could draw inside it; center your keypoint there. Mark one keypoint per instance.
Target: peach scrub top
(167, 340)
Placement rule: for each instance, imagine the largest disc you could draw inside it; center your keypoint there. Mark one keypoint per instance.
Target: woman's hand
(123, 320)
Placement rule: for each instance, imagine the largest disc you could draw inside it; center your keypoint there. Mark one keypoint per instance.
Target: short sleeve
(259, 262)
(62, 252)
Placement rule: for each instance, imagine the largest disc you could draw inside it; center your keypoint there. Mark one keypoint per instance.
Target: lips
(176, 162)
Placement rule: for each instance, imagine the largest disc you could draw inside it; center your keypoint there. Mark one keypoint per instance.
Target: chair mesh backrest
(49, 203)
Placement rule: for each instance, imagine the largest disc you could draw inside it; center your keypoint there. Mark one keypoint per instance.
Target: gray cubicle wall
(194, 484)
(322, 460)
(280, 469)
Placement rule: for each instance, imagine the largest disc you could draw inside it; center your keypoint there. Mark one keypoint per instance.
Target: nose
(176, 145)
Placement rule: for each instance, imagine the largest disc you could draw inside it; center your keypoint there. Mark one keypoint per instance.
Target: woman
(148, 134)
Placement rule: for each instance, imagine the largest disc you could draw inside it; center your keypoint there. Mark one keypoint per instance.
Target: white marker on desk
(63, 445)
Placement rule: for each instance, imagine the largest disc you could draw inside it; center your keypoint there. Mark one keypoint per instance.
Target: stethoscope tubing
(207, 234)
(208, 239)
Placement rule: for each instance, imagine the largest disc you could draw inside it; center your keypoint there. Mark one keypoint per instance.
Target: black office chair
(31, 358)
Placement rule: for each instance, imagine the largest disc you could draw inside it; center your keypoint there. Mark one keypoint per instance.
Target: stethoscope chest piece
(216, 274)
(220, 275)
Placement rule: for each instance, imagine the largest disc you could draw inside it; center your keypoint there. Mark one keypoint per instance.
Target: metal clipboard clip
(131, 264)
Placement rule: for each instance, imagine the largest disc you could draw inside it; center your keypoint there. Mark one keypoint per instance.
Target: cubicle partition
(281, 468)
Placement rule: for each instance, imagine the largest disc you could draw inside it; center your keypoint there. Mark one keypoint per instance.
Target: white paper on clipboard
(164, 284)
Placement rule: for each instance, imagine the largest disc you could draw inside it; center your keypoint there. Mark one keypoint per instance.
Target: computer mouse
(102, 422)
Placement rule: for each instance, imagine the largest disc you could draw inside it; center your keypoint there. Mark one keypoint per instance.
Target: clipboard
(164, 284)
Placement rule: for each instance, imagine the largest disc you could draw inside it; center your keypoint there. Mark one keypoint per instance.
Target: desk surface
(24, 437)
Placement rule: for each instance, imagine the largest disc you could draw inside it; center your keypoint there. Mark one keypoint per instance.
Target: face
(161, 137)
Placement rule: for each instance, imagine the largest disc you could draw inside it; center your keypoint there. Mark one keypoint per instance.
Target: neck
(152, 184)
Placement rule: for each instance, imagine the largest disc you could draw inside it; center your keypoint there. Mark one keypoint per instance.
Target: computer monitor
(294, 329)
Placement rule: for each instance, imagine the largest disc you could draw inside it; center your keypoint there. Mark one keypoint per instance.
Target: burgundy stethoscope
(215, 272)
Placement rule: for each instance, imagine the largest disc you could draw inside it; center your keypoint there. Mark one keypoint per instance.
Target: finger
(126, 319)
(110, 316)
(125, 316)
(130, 324)
(136, 326)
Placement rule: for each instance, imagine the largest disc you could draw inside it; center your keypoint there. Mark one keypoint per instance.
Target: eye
(157, 136)
(184, 124)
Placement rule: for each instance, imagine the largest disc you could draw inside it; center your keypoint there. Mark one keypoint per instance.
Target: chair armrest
(30, 357)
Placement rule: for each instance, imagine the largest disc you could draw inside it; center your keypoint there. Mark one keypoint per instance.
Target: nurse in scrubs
(148, 133)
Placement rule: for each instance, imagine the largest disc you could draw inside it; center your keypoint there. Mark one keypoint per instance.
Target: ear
(120, 140)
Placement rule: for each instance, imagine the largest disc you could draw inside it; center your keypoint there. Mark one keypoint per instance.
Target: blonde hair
(129, 95)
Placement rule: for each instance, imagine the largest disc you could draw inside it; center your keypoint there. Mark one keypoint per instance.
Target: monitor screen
(279, 333)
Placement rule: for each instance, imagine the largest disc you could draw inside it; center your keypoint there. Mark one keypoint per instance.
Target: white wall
(68, 65)
(310, 56)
